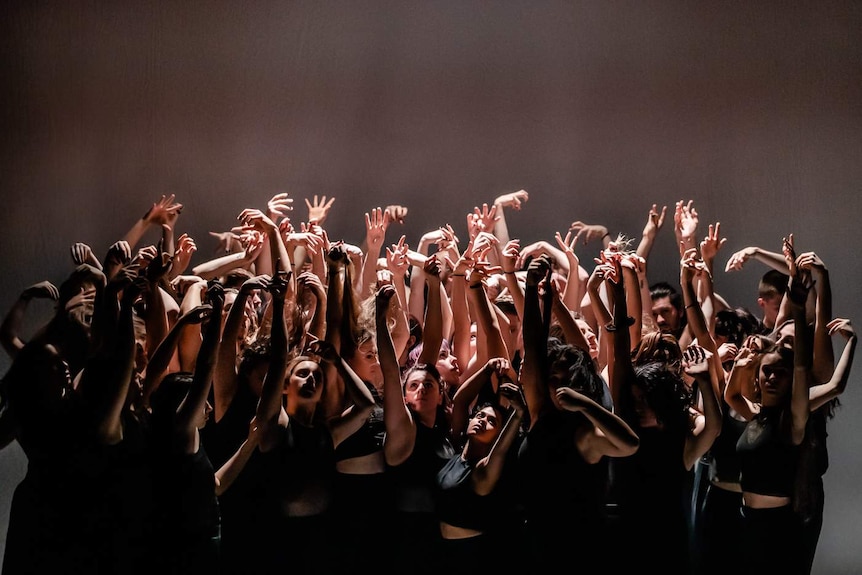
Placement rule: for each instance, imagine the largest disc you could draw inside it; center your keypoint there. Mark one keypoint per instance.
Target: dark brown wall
(598, 109)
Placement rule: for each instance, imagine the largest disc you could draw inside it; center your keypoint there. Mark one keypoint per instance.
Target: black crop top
(456, 501)
(767, 461)
(368, 439)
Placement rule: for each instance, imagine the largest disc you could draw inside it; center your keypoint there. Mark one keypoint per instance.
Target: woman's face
(366, 363)
(485, 425)
(775, 379)
(422, 391)
(590, 336)
(305, 381)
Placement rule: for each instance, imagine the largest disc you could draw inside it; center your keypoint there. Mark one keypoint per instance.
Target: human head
(486, 423)
(661, 393)
(570, 366)
(775, 376)
(304, 382)
(667, 308)
(423, 391)
(169, 395)
(734, 325)
(770, 292)
(656, 346)
(365, 361)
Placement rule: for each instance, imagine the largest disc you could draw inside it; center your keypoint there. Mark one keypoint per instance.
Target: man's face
(666, 316)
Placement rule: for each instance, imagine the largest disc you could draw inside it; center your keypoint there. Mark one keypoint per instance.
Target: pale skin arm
(489, 469)
(820, 395)
(186, 430)
(400, 428)
(610, 436)
(225, 375)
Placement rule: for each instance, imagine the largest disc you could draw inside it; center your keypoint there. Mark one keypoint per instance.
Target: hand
(323, 350)
(278, 206)
(738, 259)
(513, 393)
(841, 326)
(396, 258)
(655, 221)
(512, 200)
(165, 211)
(254, 219)
(538, 270)
(486, 218)
(712, 243)
(685, 222)
(810, 262)
(311, 282)
(695, 360)
(433, 267)
(568, 247)
(510, 254)
(375, 228)
(585, 233)
(337, 255)
(186, 248)
(727, 351)
(396, 213)
(571, 400)
(181, 283)
(691, 265)
(382, 298)
(119, 254)
(41, 290)
(318, 209)
(228, 242)
(83, 254)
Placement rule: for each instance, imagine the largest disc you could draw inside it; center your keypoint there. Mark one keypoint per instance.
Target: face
(447, 365)
(590, 336)
(422, 391)
(770, 306)
(484, 426)
(305, 381)
(666, 316)
(204, 416)
(786, 335)
(366, 363)
(775, 379)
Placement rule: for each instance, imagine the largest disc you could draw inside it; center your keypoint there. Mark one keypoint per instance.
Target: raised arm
(820, 395)
(489, 469)
(534, 365)
(225, 375)
(400, 427)
(10, 330)
(269, 409)
(188, 414)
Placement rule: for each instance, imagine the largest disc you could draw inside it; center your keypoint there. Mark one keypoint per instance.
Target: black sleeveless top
(555, 480)
(302, 466)
(415, 479)
(368, 439)
(767, 459)
(724, 460)
(456, 501)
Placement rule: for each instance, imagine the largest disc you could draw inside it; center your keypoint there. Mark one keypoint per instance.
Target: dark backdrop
(598, 109)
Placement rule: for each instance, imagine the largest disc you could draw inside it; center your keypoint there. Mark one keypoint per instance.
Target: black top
(415, 479)
(767, 459)
(458, 504)
(368, 439)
